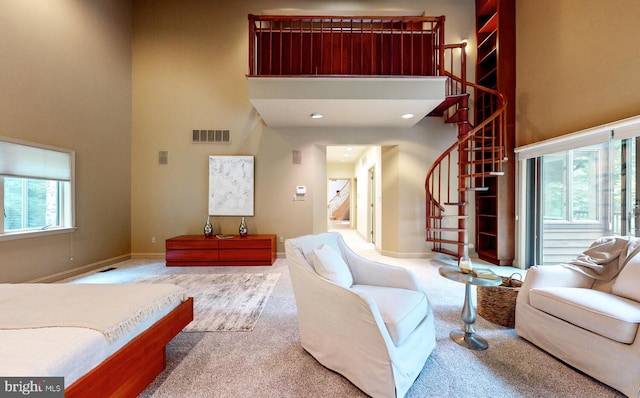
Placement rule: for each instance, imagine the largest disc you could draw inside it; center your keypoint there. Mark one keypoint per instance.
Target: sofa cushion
(628, 281)
(603, 313)
(402, 310)
(330, 265)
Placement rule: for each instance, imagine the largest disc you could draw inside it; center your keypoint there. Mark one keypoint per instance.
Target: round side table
(467, 336)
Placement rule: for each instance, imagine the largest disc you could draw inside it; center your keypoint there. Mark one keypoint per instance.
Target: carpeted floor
(269, 361)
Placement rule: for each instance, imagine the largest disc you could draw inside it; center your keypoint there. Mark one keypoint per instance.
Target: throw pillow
(330, 265)
(628, 280)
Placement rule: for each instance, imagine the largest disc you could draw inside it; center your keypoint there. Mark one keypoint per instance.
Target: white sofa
(587, 321)
(368, 321)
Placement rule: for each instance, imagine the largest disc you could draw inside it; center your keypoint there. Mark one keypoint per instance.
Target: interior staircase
(317, 46)
(477, 155)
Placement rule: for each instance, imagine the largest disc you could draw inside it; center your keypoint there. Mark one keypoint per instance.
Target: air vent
(211, 136)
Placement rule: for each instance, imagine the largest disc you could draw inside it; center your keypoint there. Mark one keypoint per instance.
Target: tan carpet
(223, 302)
(270, 361)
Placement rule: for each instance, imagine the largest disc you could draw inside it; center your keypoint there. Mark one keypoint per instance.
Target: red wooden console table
(196, 250)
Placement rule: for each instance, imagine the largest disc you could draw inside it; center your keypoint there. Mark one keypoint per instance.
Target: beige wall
(390, 198)
(189, 67)
(577, 65)
(65, 78)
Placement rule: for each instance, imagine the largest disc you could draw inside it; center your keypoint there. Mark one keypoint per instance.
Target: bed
(105, 340)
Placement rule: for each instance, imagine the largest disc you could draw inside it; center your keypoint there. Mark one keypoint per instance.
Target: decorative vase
(208, 229)
(243, 229)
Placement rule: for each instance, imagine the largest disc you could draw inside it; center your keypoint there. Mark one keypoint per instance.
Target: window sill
(35, 233)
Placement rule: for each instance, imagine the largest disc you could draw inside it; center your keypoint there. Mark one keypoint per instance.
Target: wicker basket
(497, 304)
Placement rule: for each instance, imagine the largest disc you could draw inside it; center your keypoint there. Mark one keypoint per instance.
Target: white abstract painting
(231, 185)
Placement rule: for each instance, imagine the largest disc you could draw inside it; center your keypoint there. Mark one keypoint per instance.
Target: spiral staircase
(465, 167)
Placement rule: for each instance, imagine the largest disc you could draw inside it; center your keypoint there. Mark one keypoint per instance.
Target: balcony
(357, 71)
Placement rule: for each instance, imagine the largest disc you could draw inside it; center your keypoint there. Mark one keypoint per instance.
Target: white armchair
(370, 322)
(589, 323)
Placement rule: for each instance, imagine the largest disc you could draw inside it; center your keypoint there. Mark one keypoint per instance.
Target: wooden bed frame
(129, 371)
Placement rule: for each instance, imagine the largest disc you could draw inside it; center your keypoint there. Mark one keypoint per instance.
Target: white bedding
(65, 351)
(112, 309)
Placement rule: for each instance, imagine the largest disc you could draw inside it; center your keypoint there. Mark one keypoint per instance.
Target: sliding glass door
(576, 196)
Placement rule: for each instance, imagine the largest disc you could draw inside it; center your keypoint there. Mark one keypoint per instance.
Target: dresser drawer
(226, 244)
(192, 255)
(245, 255)
(188, 242)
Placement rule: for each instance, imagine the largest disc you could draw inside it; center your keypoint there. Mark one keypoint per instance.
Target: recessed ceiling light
(408, 115)
(316, 115)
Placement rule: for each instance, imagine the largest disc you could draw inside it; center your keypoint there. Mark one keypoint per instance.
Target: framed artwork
(231, 185)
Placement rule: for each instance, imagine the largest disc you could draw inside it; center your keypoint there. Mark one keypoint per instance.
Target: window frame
(569, 187)
(66, 194)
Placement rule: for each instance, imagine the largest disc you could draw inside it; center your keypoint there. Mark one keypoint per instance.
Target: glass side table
(467, 336)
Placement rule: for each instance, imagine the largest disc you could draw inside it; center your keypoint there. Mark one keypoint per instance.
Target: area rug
(223, 302)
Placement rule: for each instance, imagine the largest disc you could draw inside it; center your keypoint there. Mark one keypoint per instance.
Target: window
(570, 185)
(577, 188)
(36, 189)
(574, 195)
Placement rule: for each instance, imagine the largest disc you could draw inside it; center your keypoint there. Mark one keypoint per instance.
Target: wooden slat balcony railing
(345, 46)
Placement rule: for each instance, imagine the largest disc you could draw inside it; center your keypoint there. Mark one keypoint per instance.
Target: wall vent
(211, 136)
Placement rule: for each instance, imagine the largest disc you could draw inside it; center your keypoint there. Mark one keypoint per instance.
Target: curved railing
(480, 153)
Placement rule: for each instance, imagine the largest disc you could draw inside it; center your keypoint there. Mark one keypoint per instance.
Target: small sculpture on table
(242, 231)
(208, 228)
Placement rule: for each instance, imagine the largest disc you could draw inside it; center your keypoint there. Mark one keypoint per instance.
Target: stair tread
(448, 102)
(446, 229)
(480, 148)
(449, 216)
(476, 189)
(485, 174)
(445, 241)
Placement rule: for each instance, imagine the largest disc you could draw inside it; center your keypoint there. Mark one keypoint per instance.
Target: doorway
(339, 203)
(352, 163)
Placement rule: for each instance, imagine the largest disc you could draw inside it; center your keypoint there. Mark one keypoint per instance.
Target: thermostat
(301, 190)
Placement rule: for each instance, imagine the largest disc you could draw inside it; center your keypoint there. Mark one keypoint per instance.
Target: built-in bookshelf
(495, 69)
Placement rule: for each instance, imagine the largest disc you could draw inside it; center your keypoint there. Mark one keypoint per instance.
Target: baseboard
(80, 270)
(102, 264)
(152, 256)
